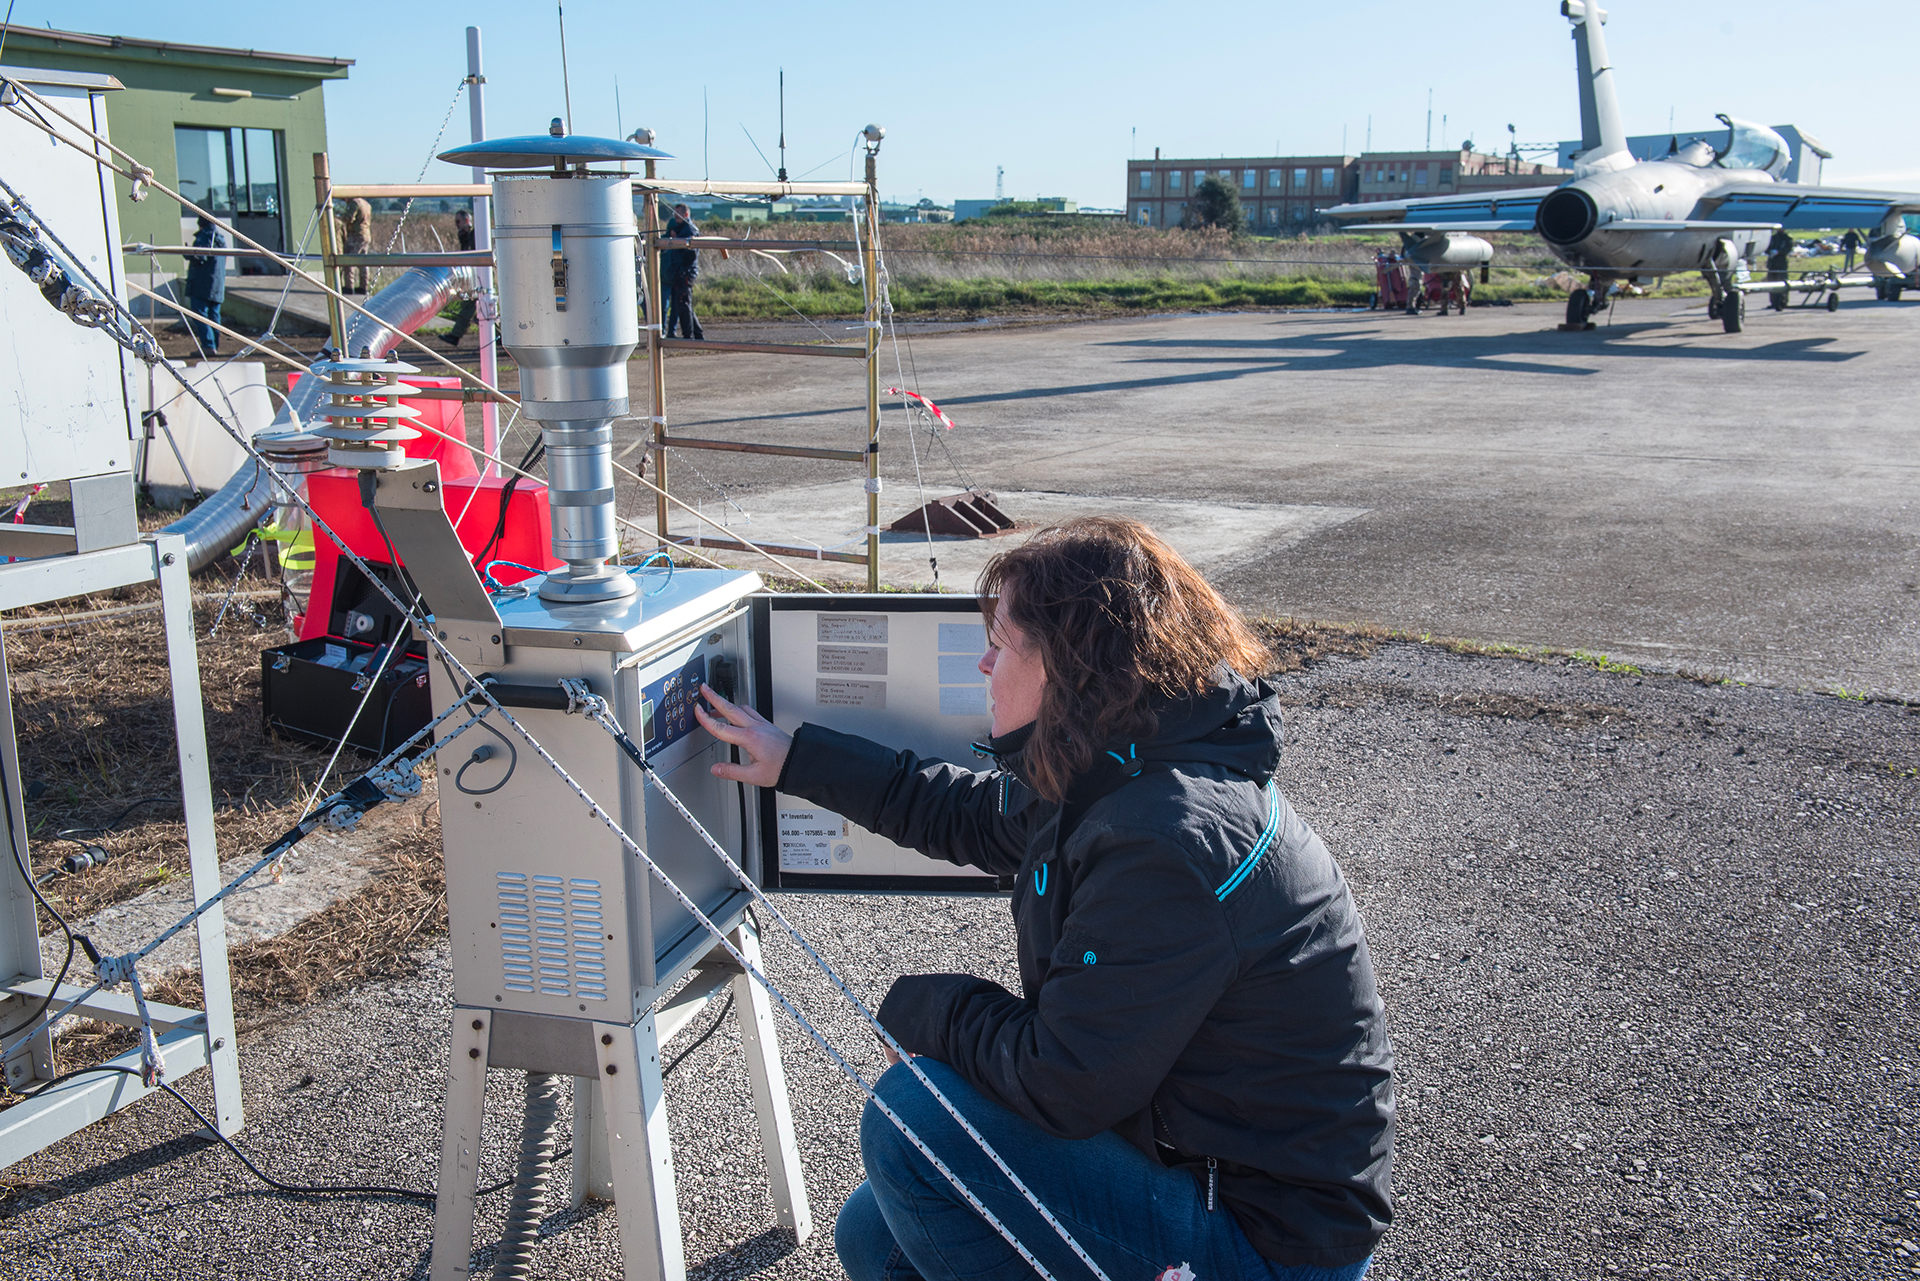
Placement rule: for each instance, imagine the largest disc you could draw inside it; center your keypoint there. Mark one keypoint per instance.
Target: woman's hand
(764, 745)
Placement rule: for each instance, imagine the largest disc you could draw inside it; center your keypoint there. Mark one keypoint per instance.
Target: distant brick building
(1402, 175)
(1279, 193)
(1283, 195)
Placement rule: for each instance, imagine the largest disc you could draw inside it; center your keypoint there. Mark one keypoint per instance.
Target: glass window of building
(234, 174)
(1300, 179)
(1146, 180)
(1420, 176)
(1273, 215)
(1326, 179)
(1276, 178)
(1247, 180)
(1173, 180)
(1446, 175)
(1143, 215)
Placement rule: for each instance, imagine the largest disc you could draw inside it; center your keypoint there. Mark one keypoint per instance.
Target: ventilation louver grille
(552, 936)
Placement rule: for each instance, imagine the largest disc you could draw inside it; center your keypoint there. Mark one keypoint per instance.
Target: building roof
(63, 79)
(20, 37)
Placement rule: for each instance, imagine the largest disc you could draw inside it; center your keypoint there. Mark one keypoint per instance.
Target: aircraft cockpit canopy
(1751, 146)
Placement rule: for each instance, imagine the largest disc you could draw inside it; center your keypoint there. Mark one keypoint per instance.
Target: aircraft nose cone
(1567, 217)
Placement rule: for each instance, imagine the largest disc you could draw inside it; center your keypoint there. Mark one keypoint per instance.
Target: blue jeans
(1138, 1219)
(207, 336)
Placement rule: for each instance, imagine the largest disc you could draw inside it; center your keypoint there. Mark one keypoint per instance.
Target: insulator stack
(368, 424)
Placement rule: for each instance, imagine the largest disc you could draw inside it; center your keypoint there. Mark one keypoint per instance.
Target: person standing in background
(359, 241)
(1850, 245)
(207, 285)
(463, 318)
(1779, 253)
(681, 267)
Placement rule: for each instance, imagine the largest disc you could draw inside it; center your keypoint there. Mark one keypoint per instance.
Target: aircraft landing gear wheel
(1879, 290)
(1733, 312)
(1833, 302)
(1713, 309)
(1579, 306)
(1893, 290)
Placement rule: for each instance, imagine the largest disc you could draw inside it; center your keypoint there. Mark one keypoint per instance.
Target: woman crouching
(1195, 1078)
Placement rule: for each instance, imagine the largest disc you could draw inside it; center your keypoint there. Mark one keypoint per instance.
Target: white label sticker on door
(852, 629)
(807, 838)
(853, 660)
(850, 694)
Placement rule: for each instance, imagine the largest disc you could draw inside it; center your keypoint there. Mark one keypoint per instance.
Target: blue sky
(1059, 94)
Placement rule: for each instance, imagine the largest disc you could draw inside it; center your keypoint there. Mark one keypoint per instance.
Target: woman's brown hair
(1118, 617)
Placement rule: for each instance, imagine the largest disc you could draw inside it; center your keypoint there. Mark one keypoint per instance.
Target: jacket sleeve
(939, 809)
(1144, 955)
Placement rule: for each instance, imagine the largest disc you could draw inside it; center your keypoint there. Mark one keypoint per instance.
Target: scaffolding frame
(654, 244)
(652, 233)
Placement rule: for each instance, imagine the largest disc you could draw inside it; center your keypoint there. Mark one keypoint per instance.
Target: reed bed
(1072, 267)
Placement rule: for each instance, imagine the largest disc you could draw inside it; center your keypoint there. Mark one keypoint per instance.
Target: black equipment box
(308, 690)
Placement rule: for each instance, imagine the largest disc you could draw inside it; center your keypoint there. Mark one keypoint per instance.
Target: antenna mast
(999, 183)
(783, 124)
(566, 85)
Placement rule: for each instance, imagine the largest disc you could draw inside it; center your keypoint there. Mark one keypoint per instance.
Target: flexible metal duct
(402, 307)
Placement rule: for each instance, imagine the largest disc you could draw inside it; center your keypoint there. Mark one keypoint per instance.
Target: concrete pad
(1213, 536)
(320, 871)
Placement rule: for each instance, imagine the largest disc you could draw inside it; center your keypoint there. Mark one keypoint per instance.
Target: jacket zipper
(1213, 1166)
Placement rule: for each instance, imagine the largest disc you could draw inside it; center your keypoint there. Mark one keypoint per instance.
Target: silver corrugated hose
(402, 307)
(539, 1132)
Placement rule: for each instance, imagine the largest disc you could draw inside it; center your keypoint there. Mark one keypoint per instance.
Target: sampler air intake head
(563, 239)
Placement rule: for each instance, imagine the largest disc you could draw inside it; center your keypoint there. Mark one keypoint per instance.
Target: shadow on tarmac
(1346, 348)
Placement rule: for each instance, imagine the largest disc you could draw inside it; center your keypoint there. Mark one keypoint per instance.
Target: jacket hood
(1235, 724)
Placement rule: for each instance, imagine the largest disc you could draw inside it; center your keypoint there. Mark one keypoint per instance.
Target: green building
(233, 130)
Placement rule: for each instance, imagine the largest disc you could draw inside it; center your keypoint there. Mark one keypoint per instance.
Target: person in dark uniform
(1779, 254)
(207, 284)
(1195, 1076)
(462, 319)
(1850, 245)
(681, 267)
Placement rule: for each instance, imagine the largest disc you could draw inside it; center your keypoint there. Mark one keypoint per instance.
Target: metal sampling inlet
(563, 243)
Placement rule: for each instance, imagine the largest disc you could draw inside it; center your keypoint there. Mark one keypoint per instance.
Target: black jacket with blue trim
(1194, 974)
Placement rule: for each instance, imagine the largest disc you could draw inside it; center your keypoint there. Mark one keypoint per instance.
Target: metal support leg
(592, 1168)
(196, 793)
(758, 1039)
(460, 1144)
(640, 1152)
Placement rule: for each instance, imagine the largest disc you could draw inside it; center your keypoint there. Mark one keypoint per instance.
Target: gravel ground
(1647, 948)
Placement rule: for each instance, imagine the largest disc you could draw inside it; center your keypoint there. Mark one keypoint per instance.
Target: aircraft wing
(1799, 207)
(1687, 224)
(1515, 224)
(1496, 211)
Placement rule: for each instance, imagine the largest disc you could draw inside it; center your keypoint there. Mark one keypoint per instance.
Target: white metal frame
(622, 1151)
(189, 1039)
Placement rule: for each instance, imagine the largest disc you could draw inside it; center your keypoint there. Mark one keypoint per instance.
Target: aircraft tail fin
(1602, 136)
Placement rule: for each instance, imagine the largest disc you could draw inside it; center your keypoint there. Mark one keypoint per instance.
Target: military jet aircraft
(1624, 221)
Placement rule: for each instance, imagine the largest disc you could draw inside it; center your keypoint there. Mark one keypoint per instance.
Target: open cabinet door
(900, 669)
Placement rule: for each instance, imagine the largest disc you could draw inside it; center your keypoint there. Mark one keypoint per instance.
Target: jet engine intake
(1567, 217)
(1440, 250)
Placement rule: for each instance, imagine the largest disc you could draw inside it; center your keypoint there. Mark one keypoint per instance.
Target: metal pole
(870, 268)
(486, 305)
(656, 355)
(323, 202)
